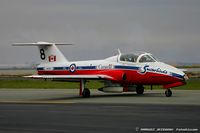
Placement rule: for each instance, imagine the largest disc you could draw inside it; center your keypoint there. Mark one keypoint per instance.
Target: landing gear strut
(140, 89)
(168, 93)
(84, 92)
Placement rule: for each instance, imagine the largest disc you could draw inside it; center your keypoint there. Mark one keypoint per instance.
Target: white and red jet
(120, 73)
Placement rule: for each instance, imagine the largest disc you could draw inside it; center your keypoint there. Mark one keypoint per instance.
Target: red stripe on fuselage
(132, 76)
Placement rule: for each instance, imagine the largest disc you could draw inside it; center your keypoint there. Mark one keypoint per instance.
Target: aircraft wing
(70, 77)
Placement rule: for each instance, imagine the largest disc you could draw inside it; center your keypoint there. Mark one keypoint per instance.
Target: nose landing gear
(168, 93)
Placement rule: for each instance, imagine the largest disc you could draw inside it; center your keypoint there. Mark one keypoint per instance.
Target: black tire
(140, 90)
(168, 93)
(86, 93)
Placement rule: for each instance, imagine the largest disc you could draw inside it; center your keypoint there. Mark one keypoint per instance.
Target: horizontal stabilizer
(39, 44)
(48, 52)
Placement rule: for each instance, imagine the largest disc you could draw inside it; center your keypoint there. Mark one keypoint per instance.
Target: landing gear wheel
(86, 93)
(140, 90)
(168, 93)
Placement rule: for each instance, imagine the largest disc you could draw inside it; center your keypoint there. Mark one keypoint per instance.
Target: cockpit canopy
(137, 57)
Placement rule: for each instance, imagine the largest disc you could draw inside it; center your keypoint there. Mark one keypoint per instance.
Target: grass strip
(192, 84)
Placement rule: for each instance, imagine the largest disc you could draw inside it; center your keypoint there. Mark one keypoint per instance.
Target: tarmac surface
(62, 110)
(179, 97)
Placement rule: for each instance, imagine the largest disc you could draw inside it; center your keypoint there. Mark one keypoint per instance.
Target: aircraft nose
(178, 73)
(183, 76)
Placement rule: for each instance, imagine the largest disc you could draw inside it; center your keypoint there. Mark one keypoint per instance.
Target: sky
(169, 29)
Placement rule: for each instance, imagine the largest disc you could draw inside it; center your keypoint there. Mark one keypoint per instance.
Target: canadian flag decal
(52, 58)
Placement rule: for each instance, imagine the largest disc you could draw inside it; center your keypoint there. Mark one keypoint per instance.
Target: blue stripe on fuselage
(40, 68)
(177, 75)
(91, 67)
(58, 68)
(85, 67)
(126, 67)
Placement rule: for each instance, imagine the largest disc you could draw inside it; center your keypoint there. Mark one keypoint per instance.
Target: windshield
(154, 58)
(128, 57)
(147, 58)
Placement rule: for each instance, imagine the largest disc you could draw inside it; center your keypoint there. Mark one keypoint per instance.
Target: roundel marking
(72, 68)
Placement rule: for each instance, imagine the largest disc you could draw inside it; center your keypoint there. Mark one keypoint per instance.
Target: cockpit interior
(137, 57)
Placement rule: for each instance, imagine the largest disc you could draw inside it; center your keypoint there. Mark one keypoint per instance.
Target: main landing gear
(84, 92)
(139, 89)
(168, 93)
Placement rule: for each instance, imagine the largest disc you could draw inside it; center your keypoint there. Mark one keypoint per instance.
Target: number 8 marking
(42, 54)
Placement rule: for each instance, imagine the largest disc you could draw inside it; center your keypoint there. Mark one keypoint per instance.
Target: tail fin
(48, 51)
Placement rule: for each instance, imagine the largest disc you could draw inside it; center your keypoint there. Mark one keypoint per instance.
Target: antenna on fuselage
(119, 52)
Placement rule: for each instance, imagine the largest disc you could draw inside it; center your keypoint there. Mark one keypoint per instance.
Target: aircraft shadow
(110, 95)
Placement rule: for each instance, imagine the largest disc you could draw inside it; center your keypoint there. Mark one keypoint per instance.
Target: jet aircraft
(124, 72)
